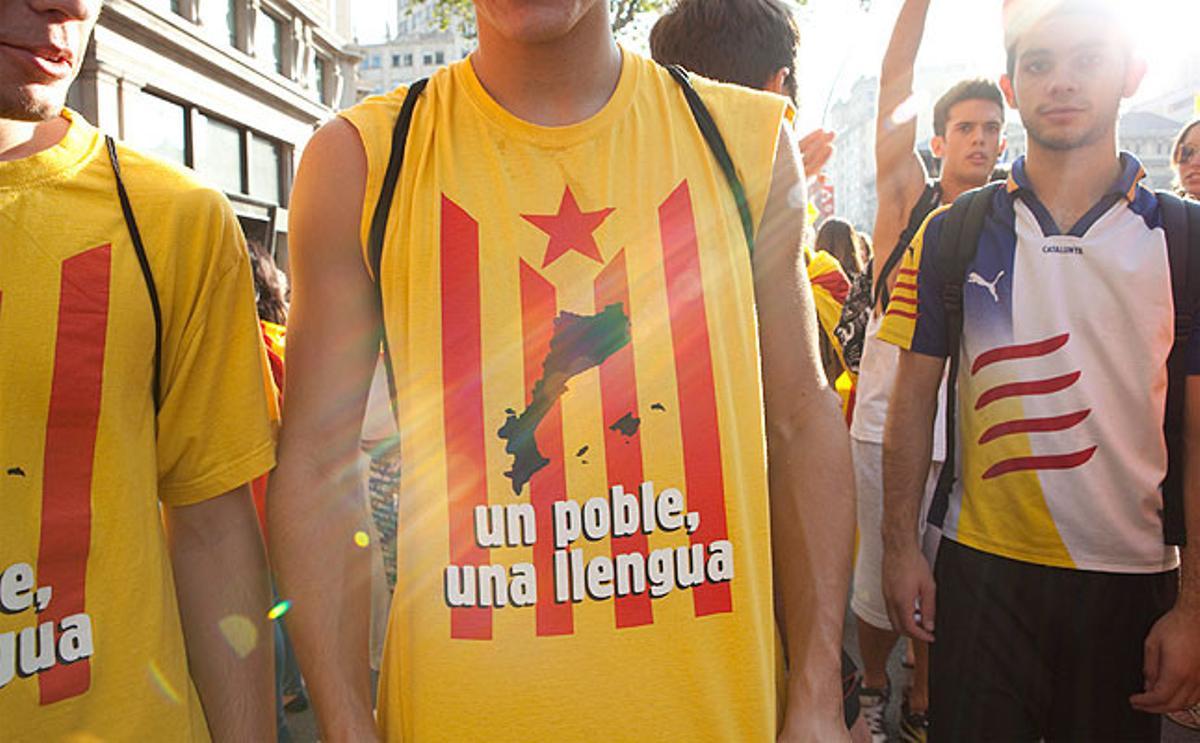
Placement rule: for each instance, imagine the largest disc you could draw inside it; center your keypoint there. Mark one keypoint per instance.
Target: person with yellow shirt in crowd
(595, 331)
(1058, 608)
(134, 411)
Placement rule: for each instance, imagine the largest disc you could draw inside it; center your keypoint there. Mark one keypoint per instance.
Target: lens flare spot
(240, 633)
(362, 539)
(907, 111)
(163, 684)
(278, 610)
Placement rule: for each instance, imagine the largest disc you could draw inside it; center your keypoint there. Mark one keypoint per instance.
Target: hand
(814, 725)
(815, 150)
(1172, 664)
(909, 591)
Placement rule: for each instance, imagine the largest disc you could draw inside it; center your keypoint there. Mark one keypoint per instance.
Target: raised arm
(907, 451)
(315, 505)
(899, 173)
(812, 503)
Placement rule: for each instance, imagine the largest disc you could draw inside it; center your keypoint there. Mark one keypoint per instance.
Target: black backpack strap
(136, 236)
(379, 219)
(958, 244)
(716, 143)
(929, 200)
(1181, 222)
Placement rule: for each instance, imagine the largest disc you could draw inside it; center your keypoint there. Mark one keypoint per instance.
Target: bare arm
(899, 173)
(907, 451)
(315, 504)
(223, 591)
(1172, 663)
(812, 504)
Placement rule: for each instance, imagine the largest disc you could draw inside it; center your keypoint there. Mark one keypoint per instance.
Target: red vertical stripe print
(539, 306)
(74, 416)
(462, 394)
(697, 394)
(623, 454)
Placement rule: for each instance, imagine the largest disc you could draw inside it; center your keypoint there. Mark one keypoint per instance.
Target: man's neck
(1070, 182)
(20, 139)
(556, 83)
(953, 187)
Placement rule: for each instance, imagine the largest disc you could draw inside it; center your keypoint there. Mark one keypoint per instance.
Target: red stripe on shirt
(1021, 389)
(1052, 462)
(1022, 351)
(462, 400)
(697, 393)
(71, 427)
(539, 305)
(1034, 425)
(622, 454)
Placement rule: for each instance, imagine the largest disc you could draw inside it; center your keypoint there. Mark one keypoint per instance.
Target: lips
(1062, 114)
(45, 64)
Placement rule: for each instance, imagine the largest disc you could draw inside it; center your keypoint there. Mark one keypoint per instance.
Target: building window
(219, 153)
(427, 58)
(376, 61)
(395, 60)
(266, 169)
(321, 79)
(269, 44)
(439, 58)
(158, 127)
(231, 21)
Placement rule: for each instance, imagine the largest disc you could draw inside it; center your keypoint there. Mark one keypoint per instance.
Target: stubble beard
(20, 104)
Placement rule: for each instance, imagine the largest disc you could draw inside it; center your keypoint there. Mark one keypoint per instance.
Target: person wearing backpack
(968, 121)
(571, 276)
(1064, 300)
(134, 412)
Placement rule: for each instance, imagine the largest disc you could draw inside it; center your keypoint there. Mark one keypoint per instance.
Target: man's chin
(20, 105)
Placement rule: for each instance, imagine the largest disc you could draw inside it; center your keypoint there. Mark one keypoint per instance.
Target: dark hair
(270, 284)
(734, 41)
(978, 89)
(1012, 33)
(838, 238)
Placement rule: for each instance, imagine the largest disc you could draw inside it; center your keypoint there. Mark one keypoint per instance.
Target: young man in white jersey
(968, 139)
(133, 580)
(499, 279)
(1054, 613)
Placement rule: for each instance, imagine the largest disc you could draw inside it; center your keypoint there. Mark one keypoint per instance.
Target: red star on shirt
(570, 229)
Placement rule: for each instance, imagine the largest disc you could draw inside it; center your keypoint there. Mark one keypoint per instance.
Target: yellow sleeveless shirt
(584, 541)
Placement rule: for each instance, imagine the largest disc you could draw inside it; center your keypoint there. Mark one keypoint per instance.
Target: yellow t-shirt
(572, 321)
(90, 640)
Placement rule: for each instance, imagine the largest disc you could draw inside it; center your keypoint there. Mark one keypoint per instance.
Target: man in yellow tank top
(590, 367)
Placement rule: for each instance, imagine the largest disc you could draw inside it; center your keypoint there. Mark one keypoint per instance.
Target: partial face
(534, 21)
(41, 48)
(1188, 162)
(1072, 69)
(973, 141)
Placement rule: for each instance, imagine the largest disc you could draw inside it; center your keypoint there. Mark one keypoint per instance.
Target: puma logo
(974, 278)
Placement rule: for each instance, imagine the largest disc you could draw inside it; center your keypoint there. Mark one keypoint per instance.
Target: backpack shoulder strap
(716, 143)
(957, 246)
(144, 263)
(379, 218)
(1181, 222)
(930, 197)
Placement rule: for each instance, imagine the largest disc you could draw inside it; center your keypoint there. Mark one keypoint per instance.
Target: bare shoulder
(327, 198)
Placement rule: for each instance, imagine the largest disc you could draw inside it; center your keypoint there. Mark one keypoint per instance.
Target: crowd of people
(540, 424)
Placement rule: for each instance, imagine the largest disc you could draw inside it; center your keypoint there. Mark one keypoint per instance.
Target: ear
(1135, 71)
(774, 83)
(1010, 92)
(937, 146)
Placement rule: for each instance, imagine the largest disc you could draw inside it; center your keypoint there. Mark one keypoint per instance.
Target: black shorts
(1024, 652)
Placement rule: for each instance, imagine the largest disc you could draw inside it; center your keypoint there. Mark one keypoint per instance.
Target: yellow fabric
(58, 209)
(823, 269)
(681, 677)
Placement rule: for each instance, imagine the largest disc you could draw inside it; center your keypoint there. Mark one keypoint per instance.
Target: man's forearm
(907, 452)
(223, 591)
(812, 528)
(314, 516)
(905, 43)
